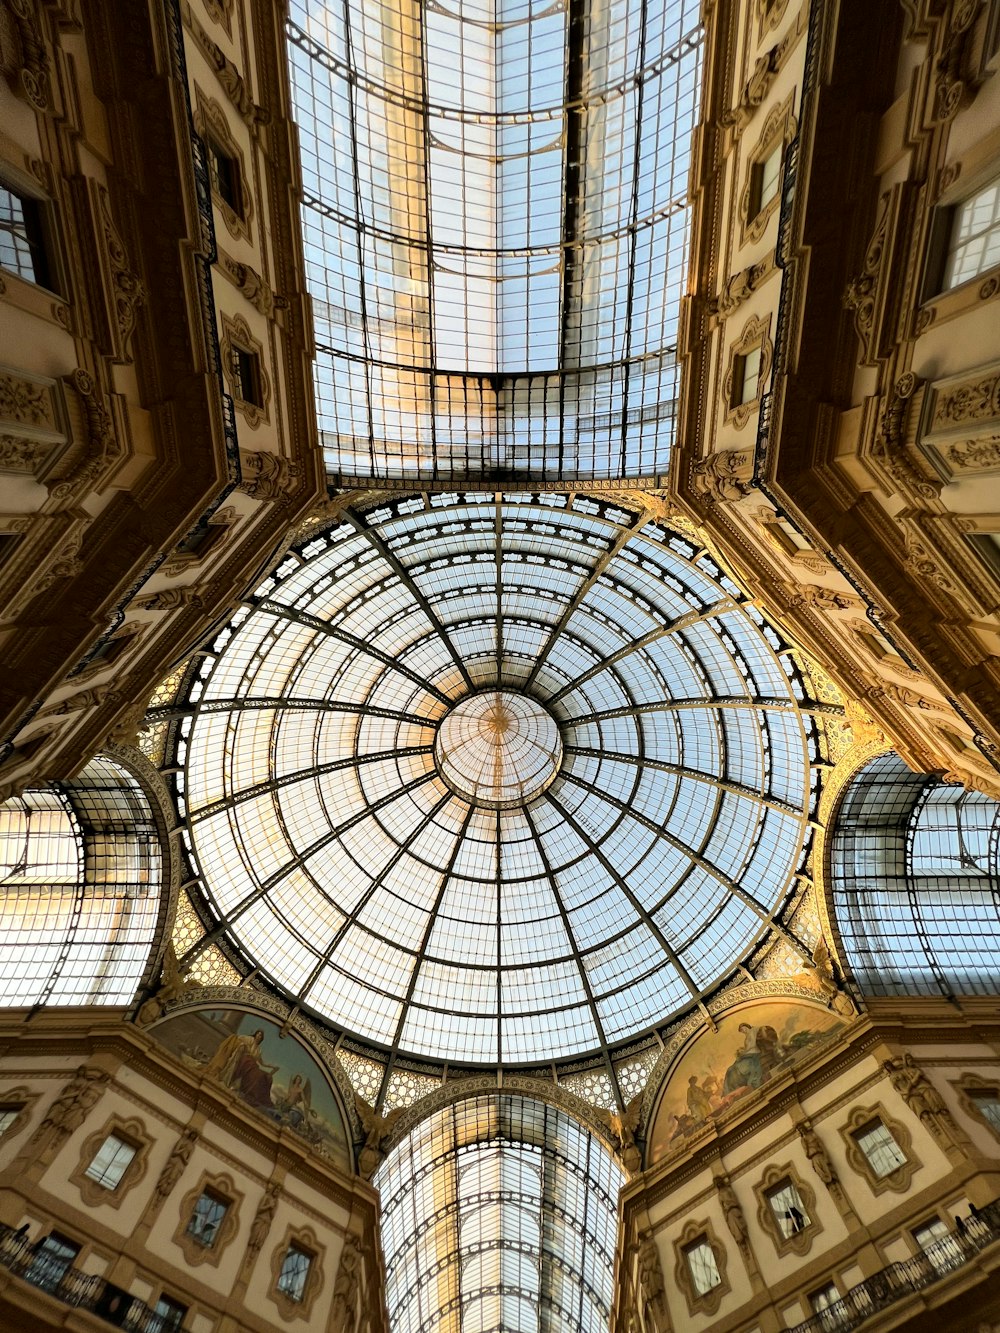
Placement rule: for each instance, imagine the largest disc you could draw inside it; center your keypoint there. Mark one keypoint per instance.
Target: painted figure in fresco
(746, 1071)
(238, 1064)
(297, 1101)
(698, 1100)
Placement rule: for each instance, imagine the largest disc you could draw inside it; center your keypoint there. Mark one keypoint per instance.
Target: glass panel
(943, 1250)
(8, 1114)
(883, 1152)
(51, 1261)
(111, 1162)
(916, 883)
(294, 1272)
(986, 1103)
(206, 1219)
(168, 1315)
(80, 869)
(975, 236)
(499, 1213)
(788, 1209)
(495, 219)
(748, 372)
(22, 241)
(503, 776)
(703, 1268)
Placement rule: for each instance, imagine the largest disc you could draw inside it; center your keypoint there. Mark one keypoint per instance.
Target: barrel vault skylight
(495, 778)
(495, 223)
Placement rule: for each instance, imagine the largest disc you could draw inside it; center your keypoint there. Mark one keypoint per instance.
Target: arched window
(499, 1212)
(915, 883)
(81, 868)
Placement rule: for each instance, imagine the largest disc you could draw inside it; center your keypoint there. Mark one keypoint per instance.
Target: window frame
(305, 1240)
(131, 1132)
(20, 1101)
(222, 1188)
(776, 1177)
(179, 1309)
(970, 1088)
(861, 1119)
(941, 244)
(50, 281)
(697, 1232)
(38, 1259)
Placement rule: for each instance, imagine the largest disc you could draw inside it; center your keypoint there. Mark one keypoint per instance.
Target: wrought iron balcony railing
(902, 1279)
(52, 1273)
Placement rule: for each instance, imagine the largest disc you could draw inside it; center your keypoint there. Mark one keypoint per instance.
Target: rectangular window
(823, 1304)
(824, 1298)
(766, 180)
(704, 1271)
(883, 1153)
(168, 1315)
(985, 1100)
(746, 377)
(51, 1261)
(974, 239)
(294, 1273)
(941, 1248)
(788, 1209)
(111, 1161)
(22, 236)
(246, 376)
(225, 174)
(206, 1219)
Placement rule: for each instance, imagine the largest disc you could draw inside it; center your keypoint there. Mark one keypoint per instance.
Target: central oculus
(498, 748)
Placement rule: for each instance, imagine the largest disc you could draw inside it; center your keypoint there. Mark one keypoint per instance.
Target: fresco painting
(752, 1045)
(274, 1075)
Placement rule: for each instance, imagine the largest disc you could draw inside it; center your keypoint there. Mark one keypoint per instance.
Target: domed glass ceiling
(487, 778)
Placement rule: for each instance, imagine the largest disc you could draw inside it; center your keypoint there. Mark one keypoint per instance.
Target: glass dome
(496, 778)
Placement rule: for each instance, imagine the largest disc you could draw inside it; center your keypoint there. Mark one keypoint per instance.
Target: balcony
(902, 1279)
(53, 1275)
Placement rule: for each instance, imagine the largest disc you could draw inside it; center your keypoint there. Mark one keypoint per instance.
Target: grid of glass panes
(700, 1259)
(499, 1212)
(974, 245)
(788, 1209)
(111, 1161)
(883, 1153)
(361, 883)
(943, 1250)
(916, 883)
(987, 1103)
(80, 870)
(206, 1218)
(294, 1273)
(22, 245)
(495, 223)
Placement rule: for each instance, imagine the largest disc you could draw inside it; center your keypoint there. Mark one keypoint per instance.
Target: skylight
(495, 223)
(496, 778)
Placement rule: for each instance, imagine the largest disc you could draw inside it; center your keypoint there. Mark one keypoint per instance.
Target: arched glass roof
(499, 1213)
(496, 777)
(495, 226)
